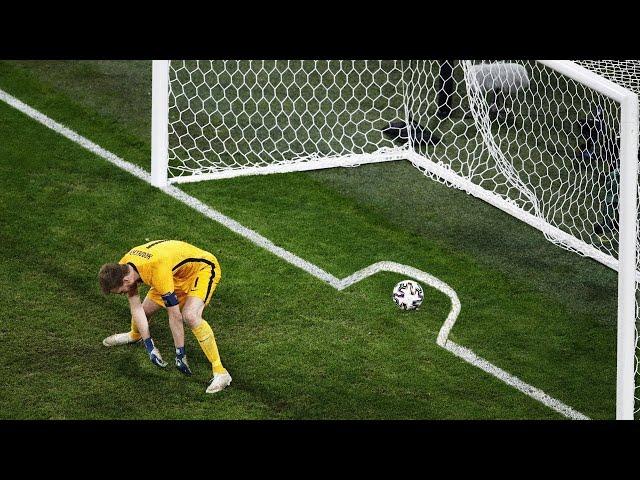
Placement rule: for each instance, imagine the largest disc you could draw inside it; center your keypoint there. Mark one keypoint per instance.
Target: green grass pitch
(297, 348)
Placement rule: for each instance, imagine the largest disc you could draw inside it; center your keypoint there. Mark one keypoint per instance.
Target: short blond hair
(112, 276)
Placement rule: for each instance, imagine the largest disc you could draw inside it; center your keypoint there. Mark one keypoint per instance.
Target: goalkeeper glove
(154, 353)
(181, 361)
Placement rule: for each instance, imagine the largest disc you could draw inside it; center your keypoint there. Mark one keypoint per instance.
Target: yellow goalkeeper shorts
(201, 284)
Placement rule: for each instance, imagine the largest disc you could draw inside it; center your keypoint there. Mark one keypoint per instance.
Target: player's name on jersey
(140, 253)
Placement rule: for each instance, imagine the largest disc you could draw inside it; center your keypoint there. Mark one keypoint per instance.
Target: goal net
(553, 143)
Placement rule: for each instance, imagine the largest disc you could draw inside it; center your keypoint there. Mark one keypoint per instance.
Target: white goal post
(552, 142)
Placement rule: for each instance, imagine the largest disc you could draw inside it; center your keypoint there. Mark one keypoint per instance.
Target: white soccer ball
(408, 295)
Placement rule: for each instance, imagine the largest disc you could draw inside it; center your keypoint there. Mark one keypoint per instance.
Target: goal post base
(300, 165)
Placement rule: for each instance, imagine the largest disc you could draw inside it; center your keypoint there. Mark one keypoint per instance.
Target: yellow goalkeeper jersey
(165, 264)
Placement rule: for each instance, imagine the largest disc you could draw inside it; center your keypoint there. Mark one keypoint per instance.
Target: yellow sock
(204, 334)
(134, 333)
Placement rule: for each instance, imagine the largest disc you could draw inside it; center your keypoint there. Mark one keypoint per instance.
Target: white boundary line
(442, 340)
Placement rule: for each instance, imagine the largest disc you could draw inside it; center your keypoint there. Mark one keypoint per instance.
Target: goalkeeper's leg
(132, 336)
(192, 315)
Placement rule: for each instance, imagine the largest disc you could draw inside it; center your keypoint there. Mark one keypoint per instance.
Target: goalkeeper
(182, 280)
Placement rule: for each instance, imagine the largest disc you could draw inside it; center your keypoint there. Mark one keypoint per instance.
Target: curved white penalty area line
(339, 284)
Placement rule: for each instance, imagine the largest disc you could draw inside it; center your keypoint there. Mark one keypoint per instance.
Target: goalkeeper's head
(116, 278)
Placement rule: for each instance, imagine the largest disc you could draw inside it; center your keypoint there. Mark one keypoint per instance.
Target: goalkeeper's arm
(142, 324)
(177, 330)
(137, 313)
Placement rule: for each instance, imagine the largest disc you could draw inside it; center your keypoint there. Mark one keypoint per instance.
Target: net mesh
(527, 136)
(238, 114)
(526, 144)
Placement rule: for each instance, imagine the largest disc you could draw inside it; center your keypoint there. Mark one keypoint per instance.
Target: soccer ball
(408, 295)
